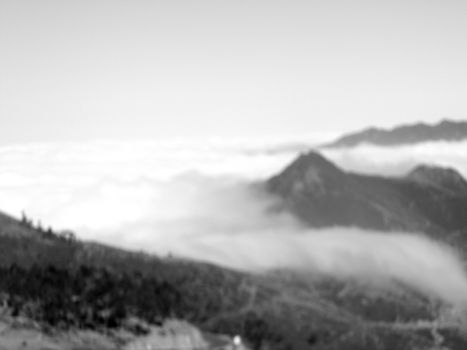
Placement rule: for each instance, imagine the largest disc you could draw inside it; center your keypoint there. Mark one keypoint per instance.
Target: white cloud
(345, 253)
(46, 179)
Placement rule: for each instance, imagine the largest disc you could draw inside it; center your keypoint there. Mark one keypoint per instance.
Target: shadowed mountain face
(428, 199)
(446, 130)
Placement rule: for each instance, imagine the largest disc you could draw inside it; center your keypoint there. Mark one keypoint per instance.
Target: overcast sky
(75, 70)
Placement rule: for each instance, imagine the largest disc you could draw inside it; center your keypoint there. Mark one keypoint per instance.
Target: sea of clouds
(203, 200)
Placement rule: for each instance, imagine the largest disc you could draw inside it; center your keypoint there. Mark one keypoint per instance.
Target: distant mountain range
(446, 130)
(428, 199)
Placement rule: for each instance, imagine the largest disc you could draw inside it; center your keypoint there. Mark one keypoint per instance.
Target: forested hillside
(64, 283)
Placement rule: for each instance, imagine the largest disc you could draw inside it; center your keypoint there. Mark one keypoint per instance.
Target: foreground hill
(446, 130)
(62, 284)
(428, 199)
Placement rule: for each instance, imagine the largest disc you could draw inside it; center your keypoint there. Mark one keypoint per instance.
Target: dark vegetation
(86, 297)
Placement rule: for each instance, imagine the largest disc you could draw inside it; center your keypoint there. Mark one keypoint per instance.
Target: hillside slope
(63, 283)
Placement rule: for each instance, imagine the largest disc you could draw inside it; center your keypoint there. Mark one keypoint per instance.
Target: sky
(84, 70)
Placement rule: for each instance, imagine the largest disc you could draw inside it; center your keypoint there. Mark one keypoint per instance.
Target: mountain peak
(309, 172)
(315, 160)
(441, 177)
(429, 198)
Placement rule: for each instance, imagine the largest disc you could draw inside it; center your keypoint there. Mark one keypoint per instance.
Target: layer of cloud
(344, 253)
(395, 161)
(201, 201)
(46, 179)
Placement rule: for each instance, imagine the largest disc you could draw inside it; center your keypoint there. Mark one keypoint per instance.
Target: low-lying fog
(197, 199)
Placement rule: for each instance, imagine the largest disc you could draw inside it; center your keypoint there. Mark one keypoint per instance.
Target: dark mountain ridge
(428, 199)
(445, 178)
(445, 130)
